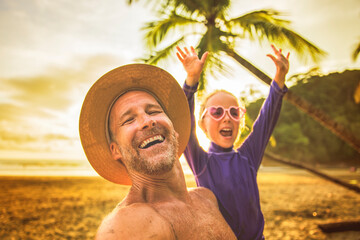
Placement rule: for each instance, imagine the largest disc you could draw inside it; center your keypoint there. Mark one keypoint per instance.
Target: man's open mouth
(151, 141)
(226, 132)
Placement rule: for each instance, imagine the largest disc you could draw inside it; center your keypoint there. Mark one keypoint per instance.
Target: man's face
(144, 137)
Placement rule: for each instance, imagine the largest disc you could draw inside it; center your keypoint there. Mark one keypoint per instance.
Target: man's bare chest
(195, 221)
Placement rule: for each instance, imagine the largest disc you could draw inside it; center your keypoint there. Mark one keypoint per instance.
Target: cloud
(38, 32)
(40, 91)
(10, 140)
(41, 112)
(58, 87)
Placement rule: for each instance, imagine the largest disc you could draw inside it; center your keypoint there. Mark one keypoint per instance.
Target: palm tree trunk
(314, 171)
(305, 106)
(340, 226)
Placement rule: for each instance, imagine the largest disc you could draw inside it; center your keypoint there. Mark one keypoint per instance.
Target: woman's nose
(226, 116)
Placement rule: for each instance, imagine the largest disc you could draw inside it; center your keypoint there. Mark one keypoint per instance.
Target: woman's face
(222, 132)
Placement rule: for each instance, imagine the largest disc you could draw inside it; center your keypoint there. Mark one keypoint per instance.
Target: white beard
(162, 161)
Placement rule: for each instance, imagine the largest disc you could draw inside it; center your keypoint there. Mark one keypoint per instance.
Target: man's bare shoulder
(136, 221)
(204, 193)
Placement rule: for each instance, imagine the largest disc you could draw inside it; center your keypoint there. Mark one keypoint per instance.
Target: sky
(52, 51)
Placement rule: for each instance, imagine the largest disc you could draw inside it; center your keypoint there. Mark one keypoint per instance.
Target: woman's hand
(282, 65)
(192, 64)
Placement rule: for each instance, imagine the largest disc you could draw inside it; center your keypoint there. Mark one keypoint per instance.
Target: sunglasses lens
(217, 113)
(235, 112)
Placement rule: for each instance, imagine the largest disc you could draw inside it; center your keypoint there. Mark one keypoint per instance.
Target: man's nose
(148, 122)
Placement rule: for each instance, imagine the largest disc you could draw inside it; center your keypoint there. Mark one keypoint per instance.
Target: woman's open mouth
(226, 132)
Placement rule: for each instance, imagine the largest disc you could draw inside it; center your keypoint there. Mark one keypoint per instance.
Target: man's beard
(146, 165)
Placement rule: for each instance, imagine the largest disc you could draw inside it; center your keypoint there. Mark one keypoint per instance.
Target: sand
(73, 207)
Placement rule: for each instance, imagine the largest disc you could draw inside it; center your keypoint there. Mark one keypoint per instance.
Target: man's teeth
(148, 142)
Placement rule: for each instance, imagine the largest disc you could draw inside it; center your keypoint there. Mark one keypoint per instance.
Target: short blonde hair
(206, 98)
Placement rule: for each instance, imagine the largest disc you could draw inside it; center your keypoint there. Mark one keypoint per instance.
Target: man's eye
(154, 112)
(127, 121)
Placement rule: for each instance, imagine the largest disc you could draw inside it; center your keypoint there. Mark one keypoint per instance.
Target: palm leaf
(214, 65)
(267, 25)
(162, 54)
(200, 6)
(256, 19)
(156, 31)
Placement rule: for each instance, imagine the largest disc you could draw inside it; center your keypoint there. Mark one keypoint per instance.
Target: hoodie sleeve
(255, 144)
(194, 154)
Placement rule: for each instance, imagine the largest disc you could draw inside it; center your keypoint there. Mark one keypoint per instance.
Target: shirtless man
(147, 126)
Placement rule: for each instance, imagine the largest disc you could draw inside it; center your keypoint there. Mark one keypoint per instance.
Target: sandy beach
(293, 203)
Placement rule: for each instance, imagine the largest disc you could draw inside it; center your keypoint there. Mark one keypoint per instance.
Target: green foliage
(209, 27)
(300, 138)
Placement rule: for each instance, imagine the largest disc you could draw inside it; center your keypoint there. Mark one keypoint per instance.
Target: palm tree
(354, 56)
(356, 52)
(220, 35)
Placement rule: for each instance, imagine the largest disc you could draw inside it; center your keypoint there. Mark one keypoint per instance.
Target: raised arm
(282, 65)
(192, 64)
(256, 142)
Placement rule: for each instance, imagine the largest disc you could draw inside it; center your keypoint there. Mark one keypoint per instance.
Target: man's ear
(115, 151)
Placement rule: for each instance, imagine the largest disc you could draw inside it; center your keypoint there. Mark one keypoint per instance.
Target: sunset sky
(52, 51)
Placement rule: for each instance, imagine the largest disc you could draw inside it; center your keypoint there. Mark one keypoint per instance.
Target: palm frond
(268, 25)
(214, 65)
(200, 6)
(129, 2)
(156, 31)
(213, 39)
(256, 19)
(162, 54)
(190, 6)
(356, 52)
(301, 45)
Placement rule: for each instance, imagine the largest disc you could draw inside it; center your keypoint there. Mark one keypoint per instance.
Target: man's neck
(150, 189)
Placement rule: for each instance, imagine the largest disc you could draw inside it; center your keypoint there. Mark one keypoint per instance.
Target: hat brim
(99, 99)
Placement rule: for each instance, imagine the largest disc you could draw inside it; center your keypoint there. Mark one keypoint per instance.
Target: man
(134, 124)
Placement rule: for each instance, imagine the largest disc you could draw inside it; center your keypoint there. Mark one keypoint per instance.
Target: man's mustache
(144, 134)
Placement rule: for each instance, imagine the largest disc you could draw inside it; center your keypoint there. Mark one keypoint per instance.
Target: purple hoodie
(230, 174)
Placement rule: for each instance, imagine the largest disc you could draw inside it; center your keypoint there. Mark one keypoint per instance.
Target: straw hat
(93, 125)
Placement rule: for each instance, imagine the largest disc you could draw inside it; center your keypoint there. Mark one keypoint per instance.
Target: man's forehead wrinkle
(151, 105)
(149, 94)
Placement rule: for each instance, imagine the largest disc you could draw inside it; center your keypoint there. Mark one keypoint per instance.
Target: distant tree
(300, 138)
(357, 90)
